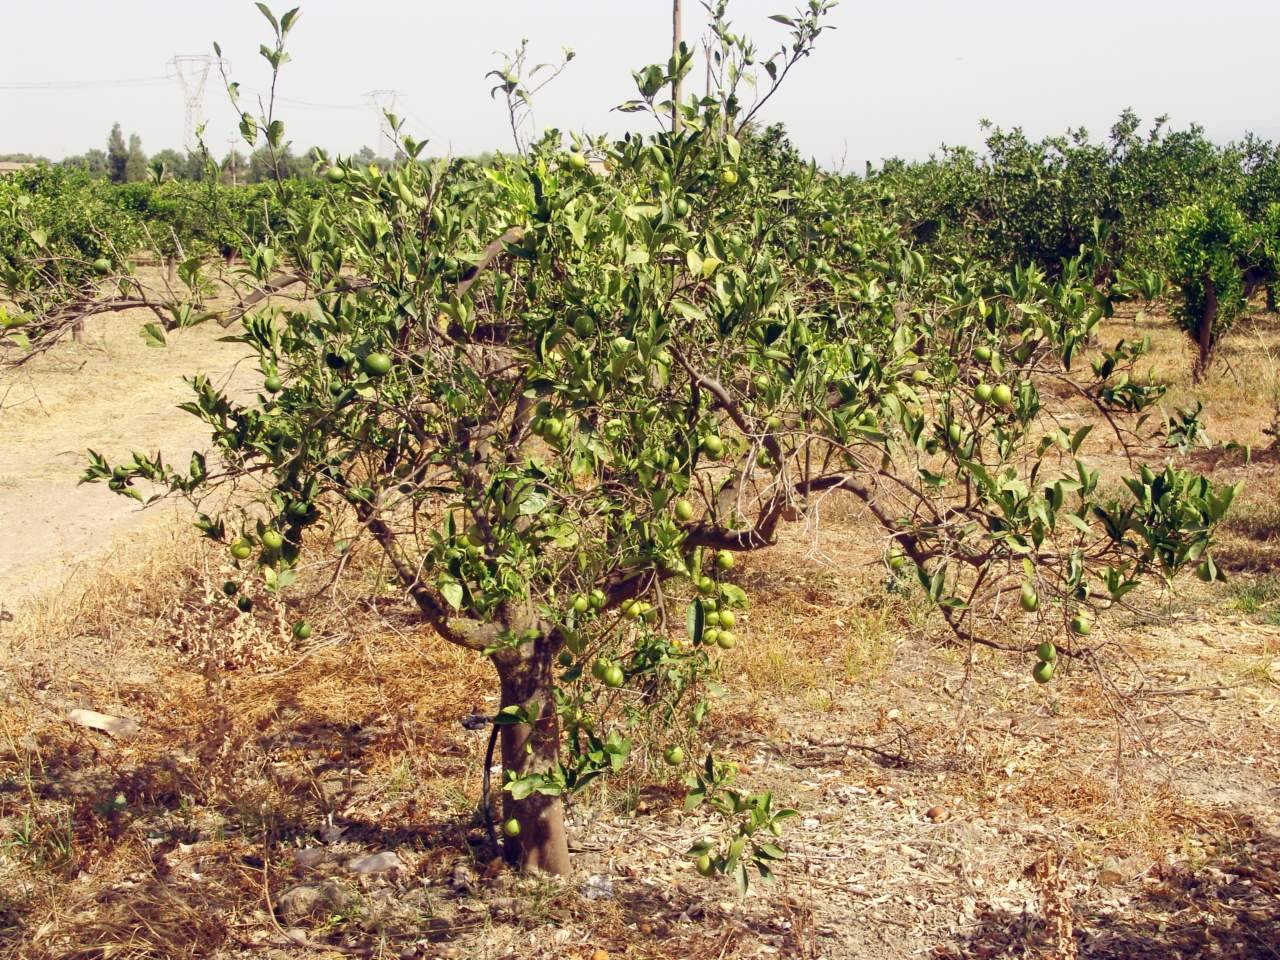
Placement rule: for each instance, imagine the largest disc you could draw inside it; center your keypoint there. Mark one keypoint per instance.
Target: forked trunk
(1204, 338)
(541, 844)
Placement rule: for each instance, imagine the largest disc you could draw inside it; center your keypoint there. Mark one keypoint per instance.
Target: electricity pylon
(192, 72)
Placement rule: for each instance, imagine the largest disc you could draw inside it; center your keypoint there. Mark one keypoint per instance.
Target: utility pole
(384, 102)
(192, 73)
(231, 161)
(675, 53)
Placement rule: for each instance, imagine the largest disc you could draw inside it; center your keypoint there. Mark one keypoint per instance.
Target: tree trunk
(526, 681)
(77, 332)
(1204, 340)
(170, 266)
(676, 36)
(1271, 298)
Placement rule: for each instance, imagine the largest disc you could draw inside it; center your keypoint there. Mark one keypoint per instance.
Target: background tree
(117, 156)
(135, 168)
(93, 162)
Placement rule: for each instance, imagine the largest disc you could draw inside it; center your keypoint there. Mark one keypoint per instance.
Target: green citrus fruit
(230, 588)
(706, 585)
(273, 384)
(597, 599)
(580, 604)
(712, 618)
(728, 176)
(982, 354)
(613, 676)
(712, 446)
(897, 560)
(684, 511)
(954, 433)
(301, 630)
(242, 549)
(673, 756)
(1043, 672)
(1002, 395)
(727, 619)
(710, 635)
(377, 364)
(577, 161)
(681, 207)
(726, 640)
(335, 174)
(983, 392)
(1029, 600)
(102, 265)
(245, 604)
(724, 560)
(1047, 652)
(583, 325)
(1081, 624)
(272, 540)
(565, 659)
(511, 828)
(705, 866)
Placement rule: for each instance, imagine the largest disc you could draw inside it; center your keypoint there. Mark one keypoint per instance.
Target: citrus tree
(1218, 259)
(561, 402)
(64, 249)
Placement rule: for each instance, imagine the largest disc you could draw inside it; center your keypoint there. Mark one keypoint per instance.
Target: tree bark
(1204, 340)
(170, 266)
(525, 676)
(1271, 298)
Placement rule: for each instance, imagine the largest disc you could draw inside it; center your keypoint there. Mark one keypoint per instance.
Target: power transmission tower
(383, 102)
(192, 73)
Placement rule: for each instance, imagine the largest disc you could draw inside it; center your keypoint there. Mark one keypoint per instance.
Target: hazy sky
(894, 78)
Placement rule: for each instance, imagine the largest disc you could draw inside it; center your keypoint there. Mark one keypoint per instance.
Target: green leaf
(695, 619)
(153, 335)
(452, 592)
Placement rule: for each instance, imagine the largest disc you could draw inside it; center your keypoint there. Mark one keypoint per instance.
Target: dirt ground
(949, 806)
(111, 393)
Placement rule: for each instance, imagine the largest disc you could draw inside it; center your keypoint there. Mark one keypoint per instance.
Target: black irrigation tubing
(485, 804)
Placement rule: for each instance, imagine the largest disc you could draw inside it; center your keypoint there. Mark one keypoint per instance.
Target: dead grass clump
(147, 919)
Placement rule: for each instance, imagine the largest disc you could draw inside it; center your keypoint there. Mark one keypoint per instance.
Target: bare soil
(949, 806)
(110, 393)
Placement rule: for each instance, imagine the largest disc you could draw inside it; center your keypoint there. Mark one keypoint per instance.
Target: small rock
(598, 886)
(1110, 875)
(938, 814)
(308, 899)
(383, 862)
(310, 857)
(462, 880)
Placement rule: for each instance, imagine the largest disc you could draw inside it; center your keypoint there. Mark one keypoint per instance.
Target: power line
(82, 84)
